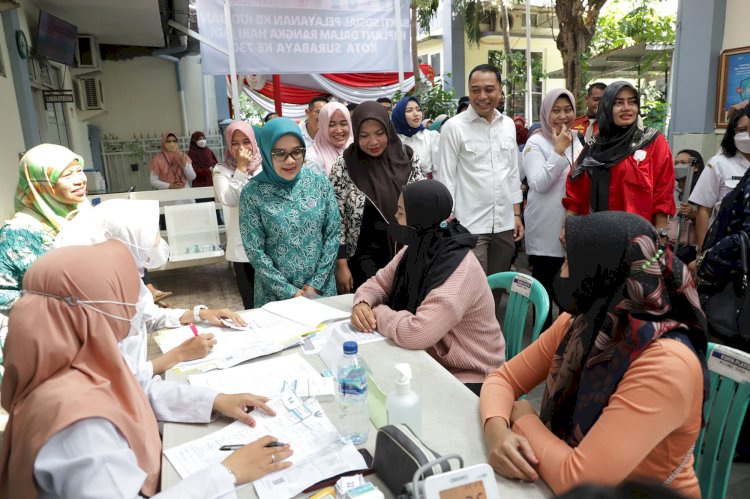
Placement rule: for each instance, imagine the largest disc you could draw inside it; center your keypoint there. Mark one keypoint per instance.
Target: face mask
(201, 143)
(171, 146)
(563, 293)
(90, 304)
(742, 141)
(159, 256)
(403, 234)
(680, 171)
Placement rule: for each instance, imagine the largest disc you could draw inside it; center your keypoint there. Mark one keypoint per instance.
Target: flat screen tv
(56, 40)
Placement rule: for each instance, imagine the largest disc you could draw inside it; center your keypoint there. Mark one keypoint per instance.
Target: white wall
(735, 24)
(141, 97)
(11, 137)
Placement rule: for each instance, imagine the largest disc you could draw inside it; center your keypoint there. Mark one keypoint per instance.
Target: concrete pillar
(453, 48)
(20, 71)
(222, 104)
(700, 35)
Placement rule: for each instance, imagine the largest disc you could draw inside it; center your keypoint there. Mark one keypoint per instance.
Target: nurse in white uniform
(79, 425)
(721, 175)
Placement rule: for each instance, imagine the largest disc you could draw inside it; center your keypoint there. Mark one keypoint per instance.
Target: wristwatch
(663, 232)
(197, 312)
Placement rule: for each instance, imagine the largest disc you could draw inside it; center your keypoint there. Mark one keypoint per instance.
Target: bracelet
(234, 477)
(517, 215)
(197, 312)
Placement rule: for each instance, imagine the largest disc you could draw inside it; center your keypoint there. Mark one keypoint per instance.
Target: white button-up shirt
(479, 165)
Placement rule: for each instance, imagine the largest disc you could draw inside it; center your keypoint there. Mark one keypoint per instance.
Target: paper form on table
(310, 313)
(329, 343)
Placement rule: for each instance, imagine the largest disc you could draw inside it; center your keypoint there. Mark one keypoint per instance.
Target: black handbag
(728, 309)
(398, 455)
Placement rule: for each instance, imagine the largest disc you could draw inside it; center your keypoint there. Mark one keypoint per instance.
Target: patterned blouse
(22, 240)
(291, 236)
(351, 201)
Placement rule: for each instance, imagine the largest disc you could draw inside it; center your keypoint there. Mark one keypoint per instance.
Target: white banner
(305, 36)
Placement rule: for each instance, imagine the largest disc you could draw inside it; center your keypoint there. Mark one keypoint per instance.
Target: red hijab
(203, 159)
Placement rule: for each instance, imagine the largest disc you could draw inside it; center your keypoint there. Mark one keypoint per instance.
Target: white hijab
(133, 223)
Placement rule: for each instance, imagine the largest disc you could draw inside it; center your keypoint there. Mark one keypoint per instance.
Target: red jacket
(644, 188)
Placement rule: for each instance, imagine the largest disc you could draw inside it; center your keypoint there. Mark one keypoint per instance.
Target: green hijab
(270, 134)
(38, 173)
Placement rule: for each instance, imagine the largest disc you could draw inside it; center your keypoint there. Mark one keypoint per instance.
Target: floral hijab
(630, 291)
(39, 170)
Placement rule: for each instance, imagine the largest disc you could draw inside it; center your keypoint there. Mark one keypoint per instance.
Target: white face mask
(742, 141)
(680, 171)
(201, 143)
(159, 256)
(74, 301)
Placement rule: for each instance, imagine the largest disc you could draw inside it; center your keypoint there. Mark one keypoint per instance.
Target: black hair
(488, 68)
(462, 107)
(727, 143)
(384, 99)
(268, 117)
(697, 161)
(352, 106)
(601, 86)
(463, 100)
(319, 98)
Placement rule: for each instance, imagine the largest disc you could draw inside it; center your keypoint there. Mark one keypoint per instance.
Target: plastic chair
(724, 413)
(523, 288)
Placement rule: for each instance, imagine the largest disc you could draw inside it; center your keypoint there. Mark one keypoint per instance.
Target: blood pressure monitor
(474, 482)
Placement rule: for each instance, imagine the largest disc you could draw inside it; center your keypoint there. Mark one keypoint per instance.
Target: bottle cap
(405, 376)
(350, 347)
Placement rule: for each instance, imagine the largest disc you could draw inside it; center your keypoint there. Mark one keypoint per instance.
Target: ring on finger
(273, 458)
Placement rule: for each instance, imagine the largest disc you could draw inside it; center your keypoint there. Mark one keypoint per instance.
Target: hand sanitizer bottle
(403, 404)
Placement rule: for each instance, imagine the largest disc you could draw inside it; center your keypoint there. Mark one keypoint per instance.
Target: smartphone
(330, 482)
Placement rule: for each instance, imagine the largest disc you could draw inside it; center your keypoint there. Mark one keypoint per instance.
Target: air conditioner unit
(87, 53)
(89, 93)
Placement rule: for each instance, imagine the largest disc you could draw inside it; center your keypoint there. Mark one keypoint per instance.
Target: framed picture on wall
(733, 82)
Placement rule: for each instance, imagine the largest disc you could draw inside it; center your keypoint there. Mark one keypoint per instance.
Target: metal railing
(126, 161)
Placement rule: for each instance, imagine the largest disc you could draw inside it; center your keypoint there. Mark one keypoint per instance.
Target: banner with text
(305, 36)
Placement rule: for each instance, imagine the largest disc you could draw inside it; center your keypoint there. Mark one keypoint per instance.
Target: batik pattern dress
(290, 235)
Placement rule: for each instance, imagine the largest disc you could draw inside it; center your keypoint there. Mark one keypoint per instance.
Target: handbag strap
(744, 245)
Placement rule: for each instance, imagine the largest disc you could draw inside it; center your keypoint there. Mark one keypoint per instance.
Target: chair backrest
(192, 231)
(723, 413)
(523, 288)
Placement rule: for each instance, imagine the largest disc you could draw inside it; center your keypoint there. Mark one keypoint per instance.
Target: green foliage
(426, 10)
(642, 24)
(433, 98)
(516, 77)
(473, 12)
(250, 111)
(654, 107)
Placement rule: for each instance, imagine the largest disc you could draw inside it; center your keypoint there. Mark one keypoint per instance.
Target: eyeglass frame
(275, 153)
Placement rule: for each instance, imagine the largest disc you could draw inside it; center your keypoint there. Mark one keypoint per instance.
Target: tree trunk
(414, 56)
(506, 37)
(577, 27)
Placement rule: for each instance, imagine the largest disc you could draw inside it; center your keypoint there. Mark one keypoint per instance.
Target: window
(515, 81)
(435, 63)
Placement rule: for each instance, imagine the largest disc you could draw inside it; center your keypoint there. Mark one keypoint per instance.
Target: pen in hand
(193, 329)
(238, 446)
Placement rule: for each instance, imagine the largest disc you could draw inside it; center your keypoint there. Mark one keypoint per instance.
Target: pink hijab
(546, 108)
(324, 148)
(169, 166)
(246, 130)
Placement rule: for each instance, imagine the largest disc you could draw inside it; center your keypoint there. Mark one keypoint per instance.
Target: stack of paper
(310, 313)
(266, 333)
(318, 450)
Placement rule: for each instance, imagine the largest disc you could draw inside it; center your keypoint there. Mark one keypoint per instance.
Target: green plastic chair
(523, 288)
(724, 413)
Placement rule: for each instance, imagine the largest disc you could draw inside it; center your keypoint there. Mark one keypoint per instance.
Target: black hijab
(611, 145)
(629, 292)
(379, 178)
(435, 247)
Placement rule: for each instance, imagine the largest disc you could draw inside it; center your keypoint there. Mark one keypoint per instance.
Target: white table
(450, 412)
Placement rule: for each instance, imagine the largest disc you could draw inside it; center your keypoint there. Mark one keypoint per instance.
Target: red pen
(193, 329)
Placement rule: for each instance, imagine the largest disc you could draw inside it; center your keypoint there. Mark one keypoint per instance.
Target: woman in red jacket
(627, 168)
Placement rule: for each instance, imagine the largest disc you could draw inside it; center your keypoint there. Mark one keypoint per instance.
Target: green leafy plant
(434, 99)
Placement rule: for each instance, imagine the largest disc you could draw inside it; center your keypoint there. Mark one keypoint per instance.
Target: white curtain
(358, 95)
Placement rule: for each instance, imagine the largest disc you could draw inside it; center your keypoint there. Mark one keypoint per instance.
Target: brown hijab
(381, 178)
(62, 363)
(168, 165)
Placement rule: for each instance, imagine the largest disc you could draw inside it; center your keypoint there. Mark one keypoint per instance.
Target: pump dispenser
(403, 404)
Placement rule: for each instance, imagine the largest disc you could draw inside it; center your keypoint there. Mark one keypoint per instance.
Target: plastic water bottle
(354, 418)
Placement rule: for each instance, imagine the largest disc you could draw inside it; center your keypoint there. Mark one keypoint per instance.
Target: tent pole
(232, 62)
(400, 47)
(529, 75)
(277, 93)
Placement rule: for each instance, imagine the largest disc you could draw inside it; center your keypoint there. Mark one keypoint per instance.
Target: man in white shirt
(309, 126)
(479, 165)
